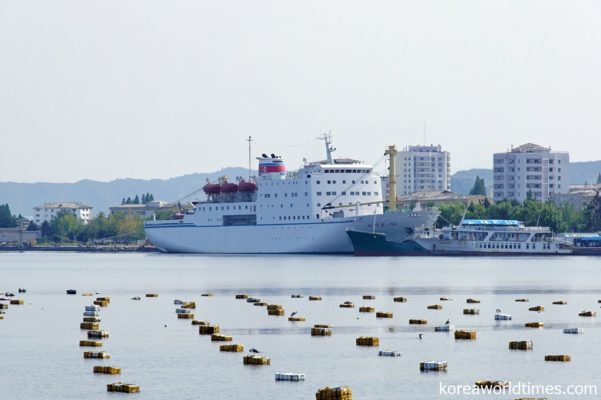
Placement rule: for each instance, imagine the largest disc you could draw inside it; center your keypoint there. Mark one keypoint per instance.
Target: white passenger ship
(307, 211)
(495, 237)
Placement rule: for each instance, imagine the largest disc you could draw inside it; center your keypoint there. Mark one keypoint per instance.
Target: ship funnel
(272, 168)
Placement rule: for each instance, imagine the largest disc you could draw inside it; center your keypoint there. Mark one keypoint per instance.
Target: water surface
(41, 358)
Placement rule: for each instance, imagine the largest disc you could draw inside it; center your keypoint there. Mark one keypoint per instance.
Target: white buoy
(90, 314)
(502, 317)
(289, 376)
(433, 366)
(389, 353)
(444, 328)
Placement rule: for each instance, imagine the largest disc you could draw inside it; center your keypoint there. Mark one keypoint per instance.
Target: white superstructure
(530, 170)
(423, 169)
(306, 211)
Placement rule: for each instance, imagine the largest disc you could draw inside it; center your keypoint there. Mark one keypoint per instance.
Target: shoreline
(82, 249)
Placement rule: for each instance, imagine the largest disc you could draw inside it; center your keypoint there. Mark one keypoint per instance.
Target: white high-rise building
(48, 211)
(423, 169)
(530, 170)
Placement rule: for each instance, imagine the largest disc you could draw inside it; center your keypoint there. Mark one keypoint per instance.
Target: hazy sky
(144, 88)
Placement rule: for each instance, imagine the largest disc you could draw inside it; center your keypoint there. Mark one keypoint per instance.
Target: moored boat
(470, 237)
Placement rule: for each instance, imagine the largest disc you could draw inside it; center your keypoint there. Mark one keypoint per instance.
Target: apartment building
(531, 171)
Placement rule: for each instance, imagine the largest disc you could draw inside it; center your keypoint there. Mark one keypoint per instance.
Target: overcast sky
(145, 88)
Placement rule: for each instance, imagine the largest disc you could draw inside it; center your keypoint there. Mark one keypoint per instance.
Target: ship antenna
(249, 140)
(327, 138)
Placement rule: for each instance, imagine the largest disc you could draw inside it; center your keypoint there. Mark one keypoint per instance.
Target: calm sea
(41, 359)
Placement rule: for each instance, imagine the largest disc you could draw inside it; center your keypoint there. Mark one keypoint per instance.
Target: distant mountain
(584, 172)
(22, 197)
(580, 173)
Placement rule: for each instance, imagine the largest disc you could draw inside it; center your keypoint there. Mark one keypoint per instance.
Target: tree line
(560, 218)
(116, 227)
(145, 199)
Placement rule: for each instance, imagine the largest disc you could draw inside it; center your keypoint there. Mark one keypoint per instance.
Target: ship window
(353, 182)
(334, 182)
(375, 193)
(317, 216)
(333, 193)
(306, 194)
(308, 176)
(344, 182)
(221, 208)
(363, 193)
(318, 193)
(318, 204)
(328, 193)
(337, 171)
(275, 195)
(343, 193)
(317, 182)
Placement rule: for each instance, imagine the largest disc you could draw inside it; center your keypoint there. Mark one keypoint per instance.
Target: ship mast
(249, 140)
(327, 138)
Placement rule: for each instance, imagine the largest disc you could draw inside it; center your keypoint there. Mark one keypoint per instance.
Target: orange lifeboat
(212, 188)
(227, 187)
(244, 186)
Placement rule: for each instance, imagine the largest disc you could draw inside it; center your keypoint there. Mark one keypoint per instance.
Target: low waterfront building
(18, 235)
(47, 211)
(149, 209)
(530, 170)
(578, 196)
(444, 197)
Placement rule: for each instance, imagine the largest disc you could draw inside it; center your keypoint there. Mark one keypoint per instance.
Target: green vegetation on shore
(116, 227)
(563, 218)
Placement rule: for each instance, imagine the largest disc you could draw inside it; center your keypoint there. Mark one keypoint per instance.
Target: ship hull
(376, 244)
(305, 238)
